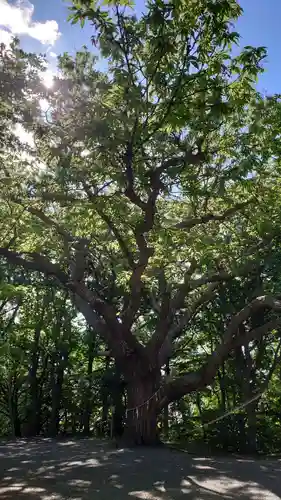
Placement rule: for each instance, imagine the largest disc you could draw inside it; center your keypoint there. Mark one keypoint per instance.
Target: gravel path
(90, 470)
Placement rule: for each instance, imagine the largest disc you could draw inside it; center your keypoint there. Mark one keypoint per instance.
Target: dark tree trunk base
(129, 441)
(132, 440)
(141, 416)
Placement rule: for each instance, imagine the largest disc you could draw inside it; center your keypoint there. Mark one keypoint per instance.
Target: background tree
(155, 188)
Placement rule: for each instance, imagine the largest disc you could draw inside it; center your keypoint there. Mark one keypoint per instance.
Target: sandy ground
(86, 469)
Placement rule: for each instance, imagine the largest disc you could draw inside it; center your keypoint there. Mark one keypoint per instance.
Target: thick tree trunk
(65, 425)
(13, 407)
(88, 401)
(199, 406)
(166, 408)
(58, 364)
(103, 429)
(248, 387)
(57, 377)
(87, 411)
(222, 384)
(33, 409)
(15, 413)
(251, 411)
(73, 423)
(117, 398)
(142, 411)
(55, 398)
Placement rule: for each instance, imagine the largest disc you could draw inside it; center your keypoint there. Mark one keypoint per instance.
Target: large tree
(146, 186)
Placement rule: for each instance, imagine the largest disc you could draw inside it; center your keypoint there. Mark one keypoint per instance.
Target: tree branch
(92, 317)
(190, 382)
(184, 288)
(185, 384)
(145, 252)
(165, 317)
(204, 219)
(130, 188)
(78, 264)
(118, 334)
(161, 341)
(223, 275)
(60, 197)
(38, 263)
(189, 158)
(178, 327)
(276, 360)
(174, 93)
(122, 244)
(51, 223)
(264, 301)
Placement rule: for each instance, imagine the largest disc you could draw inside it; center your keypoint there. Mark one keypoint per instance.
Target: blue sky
(42, 26)
(261, 25)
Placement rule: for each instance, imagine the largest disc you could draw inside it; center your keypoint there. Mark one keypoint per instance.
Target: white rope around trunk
(146, 403)
(236, 408)
(210, 422)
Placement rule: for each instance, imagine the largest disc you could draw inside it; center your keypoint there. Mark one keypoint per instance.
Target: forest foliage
(140, 231)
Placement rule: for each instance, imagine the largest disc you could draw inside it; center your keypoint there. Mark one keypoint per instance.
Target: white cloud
(53, 54)
(5, 37)
(45, 32)
(17, 18)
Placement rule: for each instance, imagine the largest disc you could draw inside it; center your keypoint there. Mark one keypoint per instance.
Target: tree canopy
(144, 185)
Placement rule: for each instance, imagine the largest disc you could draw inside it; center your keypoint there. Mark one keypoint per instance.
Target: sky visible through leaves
(42, 27)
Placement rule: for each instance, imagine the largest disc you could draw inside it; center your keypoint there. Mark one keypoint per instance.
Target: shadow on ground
(86, 469)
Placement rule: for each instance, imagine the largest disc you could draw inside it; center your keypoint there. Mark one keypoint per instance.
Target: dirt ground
(87, 469)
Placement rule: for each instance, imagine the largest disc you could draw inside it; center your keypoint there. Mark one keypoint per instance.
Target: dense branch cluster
(168, 133)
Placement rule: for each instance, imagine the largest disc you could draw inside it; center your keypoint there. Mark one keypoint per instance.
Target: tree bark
(15, 413)
(88, 402)
(249, 387)
(57, 377)
(55, 398)
(222, 384)
(33, 410)
(103, 424)
(251, 411)
(142, 411)
(200, 411)
(166, 408)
